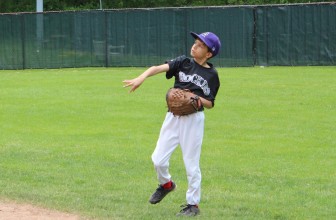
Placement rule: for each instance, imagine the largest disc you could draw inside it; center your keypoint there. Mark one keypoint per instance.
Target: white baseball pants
(186, 131)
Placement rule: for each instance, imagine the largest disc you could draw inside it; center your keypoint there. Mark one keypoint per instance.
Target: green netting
(66, 39)
(268, 35)
(139, 37)
(11, 42)
(296, 35)
(234, 26)
(146, 37)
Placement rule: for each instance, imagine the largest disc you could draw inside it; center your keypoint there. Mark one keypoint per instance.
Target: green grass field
(76, 141)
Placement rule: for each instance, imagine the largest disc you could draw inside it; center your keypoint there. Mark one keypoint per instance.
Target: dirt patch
(14, 211)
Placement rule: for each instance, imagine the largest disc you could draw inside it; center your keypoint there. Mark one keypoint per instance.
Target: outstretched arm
(136, 82)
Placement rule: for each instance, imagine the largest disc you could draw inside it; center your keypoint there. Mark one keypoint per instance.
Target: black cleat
(160, 193)
(189, 210)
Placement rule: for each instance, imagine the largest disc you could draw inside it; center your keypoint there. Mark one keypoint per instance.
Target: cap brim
(197, 36)
(194, 35)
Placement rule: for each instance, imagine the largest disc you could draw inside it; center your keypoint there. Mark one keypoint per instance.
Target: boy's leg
(191, 138)
(166, 144)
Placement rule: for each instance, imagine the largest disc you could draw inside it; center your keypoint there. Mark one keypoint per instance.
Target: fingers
(133, 83)
(128, 83)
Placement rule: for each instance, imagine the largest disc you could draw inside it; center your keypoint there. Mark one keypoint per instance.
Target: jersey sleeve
(174, 66)
(214, 89)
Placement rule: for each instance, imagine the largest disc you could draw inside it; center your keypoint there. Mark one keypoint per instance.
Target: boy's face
(200, 51)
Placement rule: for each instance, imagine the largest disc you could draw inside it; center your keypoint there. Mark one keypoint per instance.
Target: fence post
(106, 39)
(23, 40)
(254, 36)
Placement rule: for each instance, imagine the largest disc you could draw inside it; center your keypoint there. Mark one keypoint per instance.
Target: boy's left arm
(206, 103)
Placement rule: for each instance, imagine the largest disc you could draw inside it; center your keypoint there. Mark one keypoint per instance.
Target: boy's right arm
(136, 82)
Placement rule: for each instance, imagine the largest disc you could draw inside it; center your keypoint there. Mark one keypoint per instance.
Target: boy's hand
(133, 83)
(153, 70)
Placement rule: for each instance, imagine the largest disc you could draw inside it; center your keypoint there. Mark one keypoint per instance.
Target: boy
(201, 78)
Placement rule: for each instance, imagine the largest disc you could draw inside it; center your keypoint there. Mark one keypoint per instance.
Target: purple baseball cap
(210, 39)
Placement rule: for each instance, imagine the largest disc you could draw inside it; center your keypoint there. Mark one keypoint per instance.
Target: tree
(60, 5)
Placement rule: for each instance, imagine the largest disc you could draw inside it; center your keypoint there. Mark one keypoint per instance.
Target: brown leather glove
(182, 102)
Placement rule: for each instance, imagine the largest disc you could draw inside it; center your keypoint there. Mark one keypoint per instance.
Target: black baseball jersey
(202, 81)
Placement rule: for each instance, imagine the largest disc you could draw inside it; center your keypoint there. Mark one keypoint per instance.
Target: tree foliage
(7, 6)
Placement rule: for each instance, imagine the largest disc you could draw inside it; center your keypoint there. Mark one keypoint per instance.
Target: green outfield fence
(299, 34)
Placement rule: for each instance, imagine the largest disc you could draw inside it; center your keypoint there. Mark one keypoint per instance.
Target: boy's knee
(155, 161)
(159, 163)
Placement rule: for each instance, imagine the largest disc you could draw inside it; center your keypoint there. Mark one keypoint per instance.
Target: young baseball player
(201, 78)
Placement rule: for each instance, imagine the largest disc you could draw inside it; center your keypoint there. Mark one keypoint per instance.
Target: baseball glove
(182, 102)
